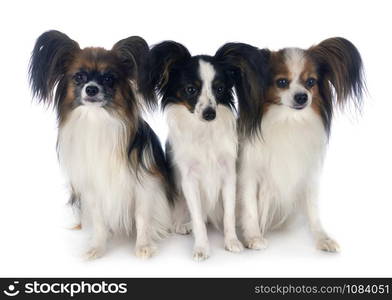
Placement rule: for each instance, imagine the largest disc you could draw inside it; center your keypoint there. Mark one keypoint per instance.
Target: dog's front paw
(201, 253)
(183, 228)
(327, 244)
(233, 245)
(145, 251)
(256, 243)
(94, 253)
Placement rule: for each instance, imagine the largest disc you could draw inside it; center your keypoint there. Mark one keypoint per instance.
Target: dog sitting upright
(197, 99)
(281, 158)
(112, 159)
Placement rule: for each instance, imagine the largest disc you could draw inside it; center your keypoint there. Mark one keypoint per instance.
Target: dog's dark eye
(282, 83)
(190, 90)
(310, 82)
(80, 77)
(108, 79)
(220, 89)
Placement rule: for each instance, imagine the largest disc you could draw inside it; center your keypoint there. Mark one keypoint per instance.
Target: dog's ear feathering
(159, 63)
(51, 56)
(132, 51)
(250, 66)
(341, 64)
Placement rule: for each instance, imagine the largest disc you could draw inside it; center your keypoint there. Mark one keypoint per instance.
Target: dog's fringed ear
(49, 61)
(340, 64)
(133, 52)
(155, 76)
(249, 70)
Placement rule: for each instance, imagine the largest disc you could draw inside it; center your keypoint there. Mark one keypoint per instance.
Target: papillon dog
(281, 156)
(112, 159)
(197, 99)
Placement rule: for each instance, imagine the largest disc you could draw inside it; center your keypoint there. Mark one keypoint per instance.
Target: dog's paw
(184, 229)
(94, 253)
(200, 253)
(327, 244)
(145, 251)
(234, 245)
(256, 243)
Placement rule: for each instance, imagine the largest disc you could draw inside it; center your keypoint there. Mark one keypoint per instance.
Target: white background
(356, 202)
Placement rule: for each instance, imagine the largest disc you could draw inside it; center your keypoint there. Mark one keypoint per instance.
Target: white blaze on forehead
(295, 62)
(207, 74)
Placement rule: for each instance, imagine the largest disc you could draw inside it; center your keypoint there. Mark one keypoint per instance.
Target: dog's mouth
(94, 101)
(299, 107)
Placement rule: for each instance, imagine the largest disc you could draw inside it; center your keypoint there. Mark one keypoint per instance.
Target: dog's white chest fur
(92, 151)
(284, 161)
(203, 151)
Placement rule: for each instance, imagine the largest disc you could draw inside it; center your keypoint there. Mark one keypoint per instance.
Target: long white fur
(204, 156)
(280, 170)
(92, 148)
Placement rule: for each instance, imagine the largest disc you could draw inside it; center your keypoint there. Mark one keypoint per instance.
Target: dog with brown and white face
(112, 159)
(281, 157)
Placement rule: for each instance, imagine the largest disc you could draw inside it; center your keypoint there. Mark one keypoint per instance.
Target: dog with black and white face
(281, 157)
(197, 99)
(113, 161)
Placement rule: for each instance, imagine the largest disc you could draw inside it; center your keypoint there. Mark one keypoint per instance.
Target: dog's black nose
(92, 90)
(209, 114)
(301, 98)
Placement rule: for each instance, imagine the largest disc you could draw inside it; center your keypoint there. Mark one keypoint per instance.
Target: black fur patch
(146, 143)
(249, 66)
(157, 67)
